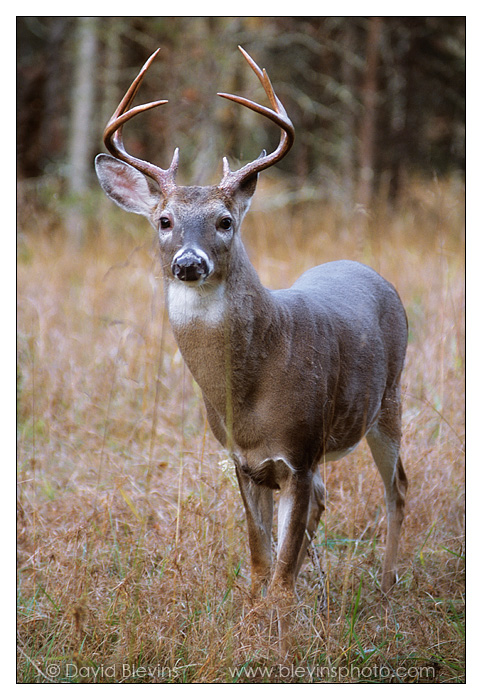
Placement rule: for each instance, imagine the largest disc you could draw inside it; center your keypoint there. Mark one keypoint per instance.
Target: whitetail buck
(290, 378)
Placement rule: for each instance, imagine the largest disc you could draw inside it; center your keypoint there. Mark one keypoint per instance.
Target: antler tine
(113, 132)
(277, 114)
(263, 77)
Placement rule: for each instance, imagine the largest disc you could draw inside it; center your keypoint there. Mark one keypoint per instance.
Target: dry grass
(133, 559)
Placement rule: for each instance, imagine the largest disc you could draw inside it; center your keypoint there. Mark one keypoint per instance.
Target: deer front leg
(258, 504)
(293, 516)
(316, 508)
(294, 508)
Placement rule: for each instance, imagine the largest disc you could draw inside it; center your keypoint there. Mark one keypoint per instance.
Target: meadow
(133, 561)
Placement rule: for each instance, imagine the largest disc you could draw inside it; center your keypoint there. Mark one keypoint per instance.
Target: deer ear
(242, 192)
(125, 185)
(247, 187)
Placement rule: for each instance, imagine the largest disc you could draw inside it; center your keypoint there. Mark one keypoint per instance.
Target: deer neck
(220, 328)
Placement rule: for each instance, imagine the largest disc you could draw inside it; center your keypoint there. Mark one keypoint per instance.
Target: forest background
(375, 100)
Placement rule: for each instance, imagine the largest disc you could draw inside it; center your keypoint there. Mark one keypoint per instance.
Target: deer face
(196, 226)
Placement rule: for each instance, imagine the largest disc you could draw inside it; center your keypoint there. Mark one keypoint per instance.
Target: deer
(292, 378)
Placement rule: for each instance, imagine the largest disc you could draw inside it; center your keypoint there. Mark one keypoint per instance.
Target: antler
(113, 133)
(278, 115)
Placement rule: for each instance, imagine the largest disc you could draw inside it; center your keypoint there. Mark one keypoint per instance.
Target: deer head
(197, 226)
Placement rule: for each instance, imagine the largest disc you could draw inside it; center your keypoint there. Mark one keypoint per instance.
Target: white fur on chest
(189, 303)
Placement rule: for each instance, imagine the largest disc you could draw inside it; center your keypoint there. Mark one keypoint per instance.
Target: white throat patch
(187, 303)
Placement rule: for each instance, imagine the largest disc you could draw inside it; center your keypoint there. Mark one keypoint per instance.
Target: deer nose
(189, 265)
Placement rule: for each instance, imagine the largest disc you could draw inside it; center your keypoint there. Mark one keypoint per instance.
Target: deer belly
(338, 454)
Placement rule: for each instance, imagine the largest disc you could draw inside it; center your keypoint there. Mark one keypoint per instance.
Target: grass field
(132, 550)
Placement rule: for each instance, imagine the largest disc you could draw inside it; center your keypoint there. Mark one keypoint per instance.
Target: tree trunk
(82, 107)
(368, 123)
(80, 151)
(348, 142)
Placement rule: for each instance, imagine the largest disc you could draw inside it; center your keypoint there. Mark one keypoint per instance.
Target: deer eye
(165, 222)
(226, 223)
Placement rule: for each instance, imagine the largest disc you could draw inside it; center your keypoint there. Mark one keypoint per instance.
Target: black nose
(189, 266)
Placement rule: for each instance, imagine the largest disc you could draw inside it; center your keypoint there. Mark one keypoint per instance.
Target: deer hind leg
(258, 504)
(384, 442)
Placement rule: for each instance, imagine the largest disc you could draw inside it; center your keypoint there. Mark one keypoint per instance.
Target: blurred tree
(40, 84)
(83, 92)
(421, 126)
(369, 95)
(79, 163)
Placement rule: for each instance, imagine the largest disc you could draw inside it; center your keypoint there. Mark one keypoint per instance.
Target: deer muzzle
(191, 265)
